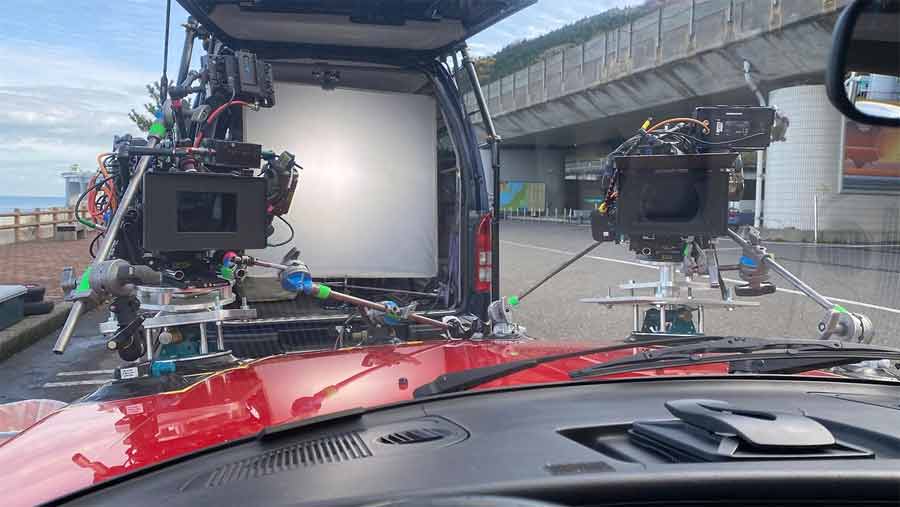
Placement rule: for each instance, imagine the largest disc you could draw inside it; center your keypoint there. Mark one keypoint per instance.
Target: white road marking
(563, 252)
(75, 383)
(820, 245)
(84, 372)
(730, 280)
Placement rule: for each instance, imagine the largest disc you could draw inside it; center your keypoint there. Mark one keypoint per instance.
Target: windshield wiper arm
(467, 379)
(742, 348)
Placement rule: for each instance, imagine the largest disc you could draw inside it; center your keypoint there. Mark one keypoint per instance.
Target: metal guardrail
(34, 219)
(557, 215)
(679, 29)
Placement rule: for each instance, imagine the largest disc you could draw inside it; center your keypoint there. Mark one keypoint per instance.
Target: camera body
(199, 197)
(674, 185)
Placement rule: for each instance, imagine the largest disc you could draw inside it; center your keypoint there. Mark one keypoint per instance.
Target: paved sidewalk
(41, 262)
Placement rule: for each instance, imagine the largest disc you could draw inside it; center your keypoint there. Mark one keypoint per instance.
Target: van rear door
(410, 26)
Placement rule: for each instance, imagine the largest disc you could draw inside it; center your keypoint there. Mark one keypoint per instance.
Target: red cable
(217, 112)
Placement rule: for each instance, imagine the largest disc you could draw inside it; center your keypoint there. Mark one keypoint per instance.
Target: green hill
(521, 54)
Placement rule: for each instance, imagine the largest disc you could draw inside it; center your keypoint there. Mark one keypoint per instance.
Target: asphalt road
(866, 279)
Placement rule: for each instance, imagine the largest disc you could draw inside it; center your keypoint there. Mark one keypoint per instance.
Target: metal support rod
(700, 318)
(190, 33)
(220, 337)
(494, 140)
(378, 307)
(761, 154)
(556, 271)
(204, 340)
(148, 336)
(785, 273)
(109, 240)
(662, 319)
(353, 300)
(386, 291)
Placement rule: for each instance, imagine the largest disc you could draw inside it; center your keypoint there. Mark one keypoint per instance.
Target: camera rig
(668, 190)
(177, 211)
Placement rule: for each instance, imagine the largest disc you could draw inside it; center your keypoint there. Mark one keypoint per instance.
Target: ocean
(10, 202)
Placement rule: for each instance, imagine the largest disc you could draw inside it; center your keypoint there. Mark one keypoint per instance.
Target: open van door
(288, 28)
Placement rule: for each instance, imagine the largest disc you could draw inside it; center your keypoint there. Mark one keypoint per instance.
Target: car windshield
(351, 210)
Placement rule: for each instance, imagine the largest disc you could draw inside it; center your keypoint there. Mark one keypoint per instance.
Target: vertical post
(204, 340)
(636, 310)
(693, 20)
(36, 220)
(494, 140)
(562, 84)
(605, 50)
(618, 44)
(17, 221)
(544, 82)
(659, 32)
(220, 336)
(148, 337)
(631, 41)
(816, 217)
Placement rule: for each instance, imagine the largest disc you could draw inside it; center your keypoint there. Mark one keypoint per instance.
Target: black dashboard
(747, 441)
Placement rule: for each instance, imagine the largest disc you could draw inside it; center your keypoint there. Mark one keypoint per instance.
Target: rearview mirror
(863, 76)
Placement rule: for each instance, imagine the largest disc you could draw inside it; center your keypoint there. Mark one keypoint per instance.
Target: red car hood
(90, 442)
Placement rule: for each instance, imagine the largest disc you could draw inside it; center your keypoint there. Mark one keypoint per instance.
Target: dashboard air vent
(331, 449)
(415, 436)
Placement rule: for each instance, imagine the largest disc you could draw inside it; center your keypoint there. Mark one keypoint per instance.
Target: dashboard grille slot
(331, 449)
(415, 436)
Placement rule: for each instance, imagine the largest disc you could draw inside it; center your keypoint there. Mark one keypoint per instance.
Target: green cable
(83, 221)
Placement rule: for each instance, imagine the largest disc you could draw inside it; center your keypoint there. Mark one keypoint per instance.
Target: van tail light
(483, 260)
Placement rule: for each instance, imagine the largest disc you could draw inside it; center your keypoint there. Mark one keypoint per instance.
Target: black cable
(164, 81)
(94, 244)
(291, 227)
(85, 193)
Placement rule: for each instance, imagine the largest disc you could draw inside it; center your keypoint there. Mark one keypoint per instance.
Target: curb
(32, 329)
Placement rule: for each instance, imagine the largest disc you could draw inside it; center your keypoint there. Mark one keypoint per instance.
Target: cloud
(63, 111)
(66, 88)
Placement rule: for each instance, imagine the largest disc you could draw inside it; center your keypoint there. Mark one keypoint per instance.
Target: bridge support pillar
(806, 188)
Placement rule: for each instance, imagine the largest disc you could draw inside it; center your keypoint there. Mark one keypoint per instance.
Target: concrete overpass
(572, 106)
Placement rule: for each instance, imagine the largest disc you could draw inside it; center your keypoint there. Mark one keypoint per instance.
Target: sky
(72, 69)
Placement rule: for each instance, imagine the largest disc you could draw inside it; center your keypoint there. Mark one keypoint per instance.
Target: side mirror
(863, 77)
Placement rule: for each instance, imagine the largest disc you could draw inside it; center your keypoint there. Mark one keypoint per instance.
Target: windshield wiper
(467, 379)
(792, 355)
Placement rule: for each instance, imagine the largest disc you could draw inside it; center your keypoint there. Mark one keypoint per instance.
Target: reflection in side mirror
(864, 71)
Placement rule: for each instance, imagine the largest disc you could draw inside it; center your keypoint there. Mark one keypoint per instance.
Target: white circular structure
(803, 198)
(804, 165)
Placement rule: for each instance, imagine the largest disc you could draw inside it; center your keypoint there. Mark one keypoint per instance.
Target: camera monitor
(197, 211)
(673, 195)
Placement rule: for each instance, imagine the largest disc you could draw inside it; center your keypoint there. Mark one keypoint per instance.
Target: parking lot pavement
(864, 279)
(37, 372)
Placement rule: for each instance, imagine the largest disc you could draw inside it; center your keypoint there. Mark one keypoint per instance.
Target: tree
(142, 120)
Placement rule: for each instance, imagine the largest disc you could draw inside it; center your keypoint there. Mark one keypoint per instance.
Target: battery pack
(739, 128)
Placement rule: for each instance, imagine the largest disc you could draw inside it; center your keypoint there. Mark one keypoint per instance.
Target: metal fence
(677, 30)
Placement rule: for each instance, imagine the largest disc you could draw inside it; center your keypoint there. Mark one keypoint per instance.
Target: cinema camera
(175, 210)
(669, 189)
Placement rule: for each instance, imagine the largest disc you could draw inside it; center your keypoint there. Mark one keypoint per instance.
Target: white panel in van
(366, 205)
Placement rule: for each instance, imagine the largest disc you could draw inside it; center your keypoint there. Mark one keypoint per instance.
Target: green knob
(513, 301)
